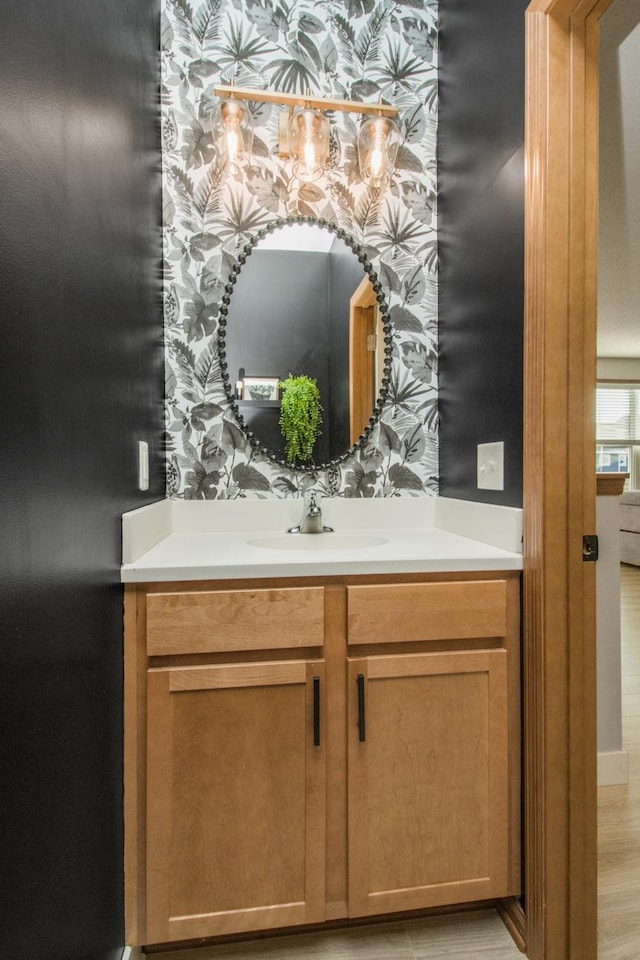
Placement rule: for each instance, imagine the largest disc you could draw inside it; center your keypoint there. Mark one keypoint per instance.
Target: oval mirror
(304, 300)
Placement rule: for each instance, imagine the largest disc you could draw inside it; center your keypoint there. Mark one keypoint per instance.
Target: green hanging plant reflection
(300, 417)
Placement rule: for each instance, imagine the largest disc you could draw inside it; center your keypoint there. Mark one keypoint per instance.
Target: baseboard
(512, 915)
(132, 953)
(613, 767)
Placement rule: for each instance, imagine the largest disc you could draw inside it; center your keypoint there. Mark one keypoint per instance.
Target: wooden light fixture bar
(294, 100)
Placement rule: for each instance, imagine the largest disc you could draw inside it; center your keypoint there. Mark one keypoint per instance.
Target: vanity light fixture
(304, 130)
(378, 143)
(308, 142)
(232, 128)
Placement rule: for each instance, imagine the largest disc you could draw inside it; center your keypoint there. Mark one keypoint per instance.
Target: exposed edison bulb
(376, 160)
(377, 148)
(232, 130)
(309, 138)
(377, 157)
(309, 155)
(233, 142)
(232, 118)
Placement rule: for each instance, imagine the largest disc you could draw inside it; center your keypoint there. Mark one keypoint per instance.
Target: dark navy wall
(481, 241)
(81, 383)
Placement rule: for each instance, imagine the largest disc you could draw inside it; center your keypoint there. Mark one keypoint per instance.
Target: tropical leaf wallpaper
(350, 49)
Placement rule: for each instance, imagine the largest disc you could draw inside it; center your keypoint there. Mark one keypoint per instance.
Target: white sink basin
(318, 541)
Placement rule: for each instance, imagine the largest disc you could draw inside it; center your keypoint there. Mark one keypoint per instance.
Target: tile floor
(465, 936)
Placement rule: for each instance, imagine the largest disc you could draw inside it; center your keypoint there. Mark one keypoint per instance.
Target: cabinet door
(428, 780)
(236, 799)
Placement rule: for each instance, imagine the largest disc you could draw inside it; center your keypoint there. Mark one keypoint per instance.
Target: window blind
(618, 414)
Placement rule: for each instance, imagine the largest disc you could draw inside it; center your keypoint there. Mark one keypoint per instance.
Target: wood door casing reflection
(363, 323)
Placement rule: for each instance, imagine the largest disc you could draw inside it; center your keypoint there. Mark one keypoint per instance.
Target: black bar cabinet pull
(362, 734)
(316, 711)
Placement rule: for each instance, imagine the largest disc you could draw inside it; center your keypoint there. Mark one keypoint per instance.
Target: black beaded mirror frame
(367, 266)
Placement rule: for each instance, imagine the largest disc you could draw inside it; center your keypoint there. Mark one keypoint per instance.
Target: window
(618, 430)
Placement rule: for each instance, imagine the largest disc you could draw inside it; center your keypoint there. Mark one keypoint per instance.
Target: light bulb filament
(376, 161)
(309, 155)
(233, 143)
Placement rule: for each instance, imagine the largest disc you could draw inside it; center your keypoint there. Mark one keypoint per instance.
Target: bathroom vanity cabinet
(314, 749)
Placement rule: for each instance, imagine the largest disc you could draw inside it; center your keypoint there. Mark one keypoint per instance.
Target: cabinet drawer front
(221, 621)
(461, 610)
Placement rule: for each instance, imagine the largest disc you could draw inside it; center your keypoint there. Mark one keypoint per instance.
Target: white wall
(619, 224)
(612, 759)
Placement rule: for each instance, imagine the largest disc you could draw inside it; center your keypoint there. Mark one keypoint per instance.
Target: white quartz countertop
(175, 540)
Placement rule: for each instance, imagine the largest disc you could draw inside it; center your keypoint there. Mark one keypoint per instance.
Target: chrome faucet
(311, 517)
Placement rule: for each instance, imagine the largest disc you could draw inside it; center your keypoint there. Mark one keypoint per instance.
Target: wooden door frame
(559, 481)
(362, 307)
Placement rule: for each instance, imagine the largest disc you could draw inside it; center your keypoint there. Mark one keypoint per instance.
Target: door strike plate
(590, 547)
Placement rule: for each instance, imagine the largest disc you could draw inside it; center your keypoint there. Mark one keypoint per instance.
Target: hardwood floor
(619, 806)
(464, 936)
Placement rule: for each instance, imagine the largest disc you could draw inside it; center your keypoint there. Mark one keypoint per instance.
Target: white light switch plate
(491, 466)
(143, 465)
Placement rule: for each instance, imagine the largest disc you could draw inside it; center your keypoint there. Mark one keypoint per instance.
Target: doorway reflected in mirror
(307, 302)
